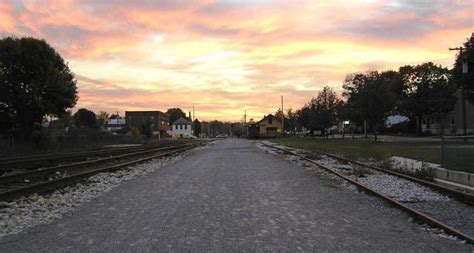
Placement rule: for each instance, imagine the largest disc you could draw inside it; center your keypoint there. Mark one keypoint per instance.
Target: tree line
(369, 98)
(36, 82)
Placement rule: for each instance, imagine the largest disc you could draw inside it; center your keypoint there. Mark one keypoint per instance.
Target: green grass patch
(362, 149)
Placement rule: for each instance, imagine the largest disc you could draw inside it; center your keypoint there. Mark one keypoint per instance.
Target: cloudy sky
(226, 56)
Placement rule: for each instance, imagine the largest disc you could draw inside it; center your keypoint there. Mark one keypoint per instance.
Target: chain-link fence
(457, 153)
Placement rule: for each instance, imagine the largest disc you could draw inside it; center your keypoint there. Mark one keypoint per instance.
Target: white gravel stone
(38, 209)
(411, 165)
(401, 189)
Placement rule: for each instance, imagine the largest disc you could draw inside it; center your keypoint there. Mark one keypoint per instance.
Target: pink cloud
(209, 48)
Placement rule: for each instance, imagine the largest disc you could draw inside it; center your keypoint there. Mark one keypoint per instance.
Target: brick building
(159, 121)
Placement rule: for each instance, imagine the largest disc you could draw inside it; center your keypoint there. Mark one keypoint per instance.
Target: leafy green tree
(465, 80)
(85, 118)
(174, 114)
(34, 82)
(427, 90)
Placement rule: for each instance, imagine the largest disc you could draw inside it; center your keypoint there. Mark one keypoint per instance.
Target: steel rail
(68, 155)
(42, 171)
(414, 213)
(67, 180)
(61, 154)
(459, 195)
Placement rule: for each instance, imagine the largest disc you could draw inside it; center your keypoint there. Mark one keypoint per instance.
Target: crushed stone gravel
(35, 209)
(422, 198)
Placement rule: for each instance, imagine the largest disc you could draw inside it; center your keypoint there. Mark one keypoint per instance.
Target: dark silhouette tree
(174, 114)
(370, 98)
(465, 80)
(34, 82)
(197, 127)
(85, 118)
(291, 120)
(320, 113)
(325, 109)
(102, 118)
(303, 116)
(146, 128)
(427, 90)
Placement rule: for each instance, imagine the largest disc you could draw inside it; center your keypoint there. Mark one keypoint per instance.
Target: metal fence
(457, 153)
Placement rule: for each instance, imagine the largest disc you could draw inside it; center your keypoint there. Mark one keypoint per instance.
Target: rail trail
(21, 182)
(444, 208)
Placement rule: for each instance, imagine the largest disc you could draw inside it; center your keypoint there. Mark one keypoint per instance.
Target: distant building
(182, 128)
(452, 121)
(159, 121)
(395, 119)
(115, 123)
(269, 126)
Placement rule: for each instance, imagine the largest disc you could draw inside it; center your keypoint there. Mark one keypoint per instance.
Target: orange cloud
(223, 56)
(7, 21)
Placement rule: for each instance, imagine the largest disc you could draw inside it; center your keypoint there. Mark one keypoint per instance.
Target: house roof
(269, 116)
(181, 121)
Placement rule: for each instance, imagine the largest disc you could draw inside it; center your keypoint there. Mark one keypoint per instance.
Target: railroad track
(411, 209)
(25, 163)
(47, 179)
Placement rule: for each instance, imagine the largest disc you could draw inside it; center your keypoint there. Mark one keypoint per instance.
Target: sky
(224, 57)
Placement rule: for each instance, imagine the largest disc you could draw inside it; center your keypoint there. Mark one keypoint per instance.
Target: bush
(135, 132)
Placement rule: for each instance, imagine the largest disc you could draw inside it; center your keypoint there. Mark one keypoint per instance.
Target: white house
(182, 128)
(115, 123)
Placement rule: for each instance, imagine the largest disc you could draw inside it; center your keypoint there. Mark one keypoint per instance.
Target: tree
(197, 127)
(34, 82)
(320, 113)
(85, 118)
(135, 132)
(342, 112)
(279, 114)
(291, 120)
(427, 90)
(102, 118)
(325, 109)
(216, 127)
(465, 80)
(175, 114)
(303, 116)
(146, 128)
(370, 97)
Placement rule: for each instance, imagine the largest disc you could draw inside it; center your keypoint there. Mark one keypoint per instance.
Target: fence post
(442, 151)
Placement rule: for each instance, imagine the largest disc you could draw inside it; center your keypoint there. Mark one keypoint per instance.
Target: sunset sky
(226, 56)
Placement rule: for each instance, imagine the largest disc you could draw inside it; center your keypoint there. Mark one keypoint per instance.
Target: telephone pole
(245, 121)
(463, 96)
(282, 115)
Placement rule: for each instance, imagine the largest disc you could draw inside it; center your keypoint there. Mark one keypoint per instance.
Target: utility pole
(282, 115)
(245, 121)
(117, 122)
(193, 114)
(463, 96)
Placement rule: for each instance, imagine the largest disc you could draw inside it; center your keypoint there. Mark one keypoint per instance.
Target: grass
(461, 159)
(366, 149)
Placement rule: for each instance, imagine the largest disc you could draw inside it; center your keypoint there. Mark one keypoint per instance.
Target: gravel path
(230, 196)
